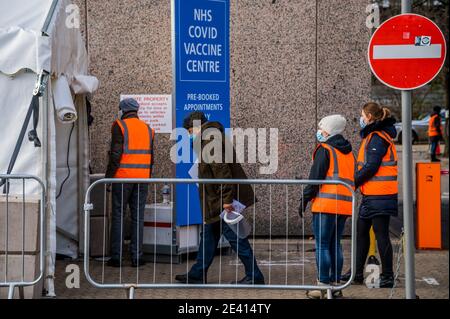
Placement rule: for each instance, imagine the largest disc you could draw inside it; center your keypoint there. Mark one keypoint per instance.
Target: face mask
(192, 138)
(362, 123)
(120, 114)
(320, 137)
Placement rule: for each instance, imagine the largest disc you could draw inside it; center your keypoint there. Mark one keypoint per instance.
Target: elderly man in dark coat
(215, 198)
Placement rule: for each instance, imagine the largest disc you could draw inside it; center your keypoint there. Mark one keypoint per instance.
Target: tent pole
(48, 276)
(83, 178)
(49, 18)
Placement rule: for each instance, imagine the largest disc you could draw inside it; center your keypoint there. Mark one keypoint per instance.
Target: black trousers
(381, 229)
(134, 196)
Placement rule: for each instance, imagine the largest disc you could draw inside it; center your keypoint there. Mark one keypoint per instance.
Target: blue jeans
(209, 239)
(328, 229)
(434, 144)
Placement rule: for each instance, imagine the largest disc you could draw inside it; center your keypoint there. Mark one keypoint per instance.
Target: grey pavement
(296, 267)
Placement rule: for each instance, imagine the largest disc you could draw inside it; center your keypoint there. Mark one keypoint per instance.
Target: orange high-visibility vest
(336, 199)
(385, 180)
(432, 130)
(137, 155)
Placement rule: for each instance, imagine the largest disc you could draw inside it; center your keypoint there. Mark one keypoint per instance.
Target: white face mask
(120, 114)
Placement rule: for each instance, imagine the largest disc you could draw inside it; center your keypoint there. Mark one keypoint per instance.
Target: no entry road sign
(407, 51)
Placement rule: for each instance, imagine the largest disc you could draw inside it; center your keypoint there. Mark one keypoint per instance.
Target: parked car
(419, 129)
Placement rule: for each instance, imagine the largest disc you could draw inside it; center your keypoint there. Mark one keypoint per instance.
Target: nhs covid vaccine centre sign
(201, 77)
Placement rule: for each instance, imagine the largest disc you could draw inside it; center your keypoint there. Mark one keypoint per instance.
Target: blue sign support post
(200, 35)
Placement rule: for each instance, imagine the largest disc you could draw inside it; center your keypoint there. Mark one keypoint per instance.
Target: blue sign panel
(202, 72)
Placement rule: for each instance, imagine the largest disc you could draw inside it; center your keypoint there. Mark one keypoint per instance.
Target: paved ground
(295, 267)
(431, 275)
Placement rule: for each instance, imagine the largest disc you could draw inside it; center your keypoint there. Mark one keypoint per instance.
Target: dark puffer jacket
(376, 205)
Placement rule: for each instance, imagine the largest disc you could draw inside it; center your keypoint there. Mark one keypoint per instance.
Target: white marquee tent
(42, 36)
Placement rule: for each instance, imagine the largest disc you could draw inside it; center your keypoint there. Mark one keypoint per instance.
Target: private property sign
(155, 110)
(407, 52)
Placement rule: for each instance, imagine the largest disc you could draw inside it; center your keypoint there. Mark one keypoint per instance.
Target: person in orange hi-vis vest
(435, 132)
(331, 204)
(130, 156)
(376, 178)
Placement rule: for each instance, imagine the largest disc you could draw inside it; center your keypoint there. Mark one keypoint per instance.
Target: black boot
(434, 159)
(187, 279)
(135, 263)
(373, 261)
(358, 280)
(387, 281)
(249, 281)
(113, 262)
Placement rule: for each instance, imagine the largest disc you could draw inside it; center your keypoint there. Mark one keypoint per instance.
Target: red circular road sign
(407, 51)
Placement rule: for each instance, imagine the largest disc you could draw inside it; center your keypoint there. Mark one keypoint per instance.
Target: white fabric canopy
(23, 46)
(24, 43)
(24, 52)
(26, 14)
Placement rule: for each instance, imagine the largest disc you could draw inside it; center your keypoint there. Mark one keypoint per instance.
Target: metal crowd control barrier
(125, 282)
(23, 241)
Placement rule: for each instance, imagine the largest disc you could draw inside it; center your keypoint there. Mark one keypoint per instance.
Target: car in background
(419, 129)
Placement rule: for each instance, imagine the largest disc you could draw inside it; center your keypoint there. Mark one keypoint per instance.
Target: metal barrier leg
(11, 292)
(329, 294)
(21, 292)
(131, 293)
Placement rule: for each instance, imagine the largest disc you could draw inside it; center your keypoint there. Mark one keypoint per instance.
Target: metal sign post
(410, 288)
(405, 53)
(408, 209)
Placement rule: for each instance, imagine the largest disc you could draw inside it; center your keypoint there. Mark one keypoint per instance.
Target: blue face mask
(320, 137)
(192, 138)
(362, 123)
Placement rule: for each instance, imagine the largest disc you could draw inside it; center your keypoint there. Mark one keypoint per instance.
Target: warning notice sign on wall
(155, 110)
